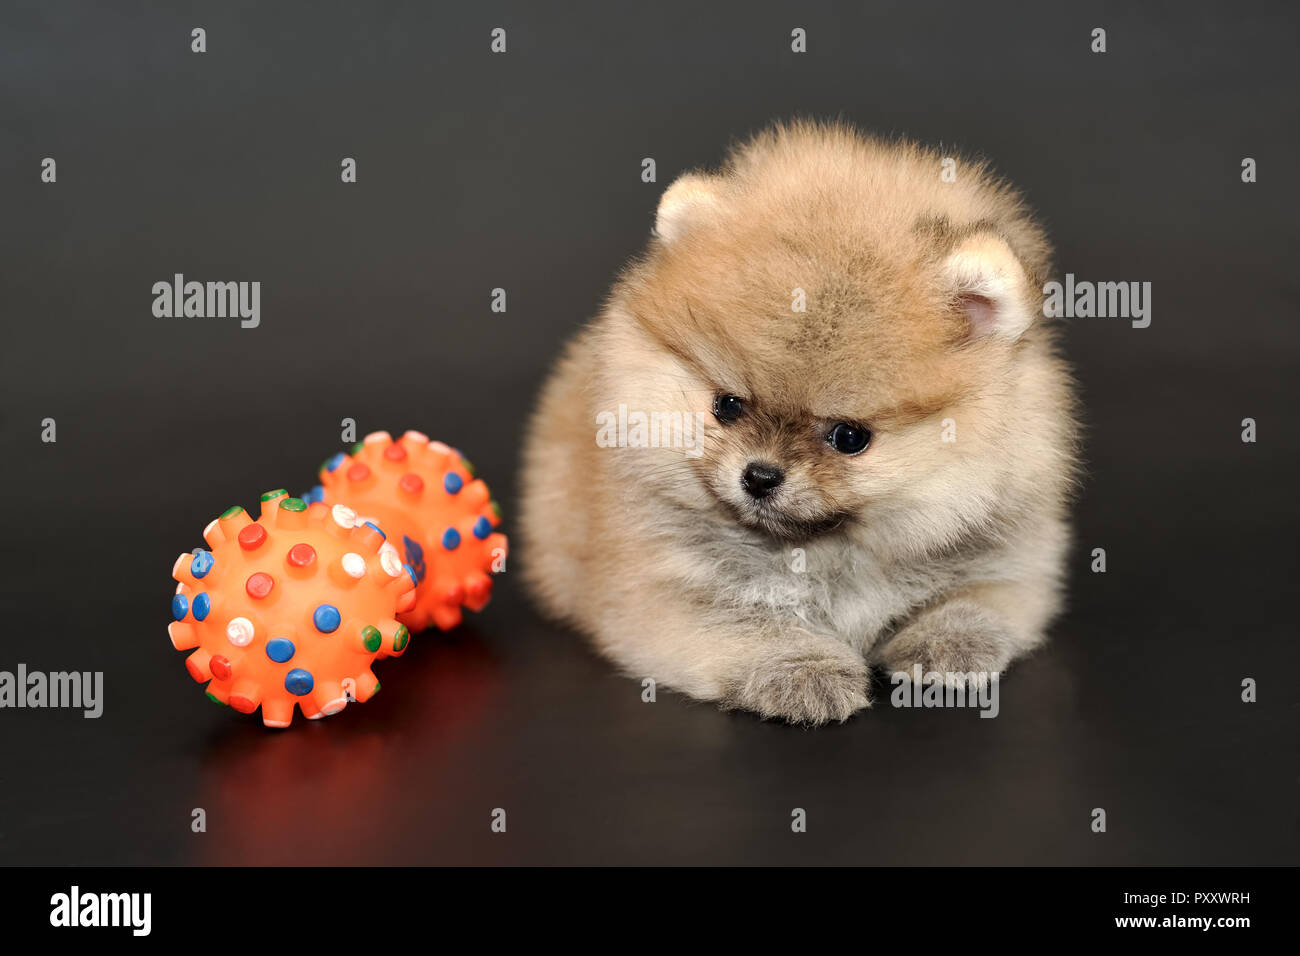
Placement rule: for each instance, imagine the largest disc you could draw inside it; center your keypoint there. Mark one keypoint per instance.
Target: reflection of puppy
(890, 442)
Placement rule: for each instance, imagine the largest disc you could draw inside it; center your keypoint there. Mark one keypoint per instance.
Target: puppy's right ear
(691, 199)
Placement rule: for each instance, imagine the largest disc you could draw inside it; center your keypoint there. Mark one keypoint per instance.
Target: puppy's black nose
(760, 479)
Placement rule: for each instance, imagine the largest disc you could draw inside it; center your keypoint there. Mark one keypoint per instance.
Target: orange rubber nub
(439, 516)
(290, 609)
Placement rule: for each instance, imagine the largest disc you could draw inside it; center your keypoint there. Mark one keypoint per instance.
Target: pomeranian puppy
(820, 424)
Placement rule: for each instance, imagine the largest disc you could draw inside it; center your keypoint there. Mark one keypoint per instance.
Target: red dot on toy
(395, 452)
(251, 537)
(220, 667)
(358, 472)
(301, 555)
(411, 483)
(259, 585)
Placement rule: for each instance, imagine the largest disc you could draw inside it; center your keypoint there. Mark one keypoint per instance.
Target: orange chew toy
(425, 495)
(290, 609)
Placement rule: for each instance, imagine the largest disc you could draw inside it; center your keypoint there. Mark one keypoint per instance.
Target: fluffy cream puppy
(886, 435)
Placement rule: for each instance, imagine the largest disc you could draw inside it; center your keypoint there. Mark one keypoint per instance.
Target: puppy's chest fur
(832, 585)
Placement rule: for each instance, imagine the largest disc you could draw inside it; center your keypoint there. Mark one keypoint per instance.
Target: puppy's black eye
(848, 439)
(727, 408)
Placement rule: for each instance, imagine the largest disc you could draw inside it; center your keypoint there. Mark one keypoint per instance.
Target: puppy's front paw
(955, 640)
(804, 687)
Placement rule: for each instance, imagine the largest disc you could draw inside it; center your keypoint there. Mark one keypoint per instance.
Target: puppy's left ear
(990, 286)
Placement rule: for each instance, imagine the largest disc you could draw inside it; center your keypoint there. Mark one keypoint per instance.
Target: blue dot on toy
(201, 564)
(333, 463)
(452, 483)
(299, 682)
(451, 539)
(202, 605)
(326, 618)
(279, 649)
(482, 528)
(180, 607)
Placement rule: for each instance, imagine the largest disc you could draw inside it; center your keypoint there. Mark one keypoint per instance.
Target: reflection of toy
(291, 608)
(425, 496)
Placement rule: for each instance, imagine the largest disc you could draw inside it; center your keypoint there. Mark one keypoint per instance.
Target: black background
(522, 171)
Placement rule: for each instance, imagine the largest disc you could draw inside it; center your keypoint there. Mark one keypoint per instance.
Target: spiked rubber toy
(424, 495)
(291, 609)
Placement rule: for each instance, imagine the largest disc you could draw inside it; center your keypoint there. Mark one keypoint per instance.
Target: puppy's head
(846, 320)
